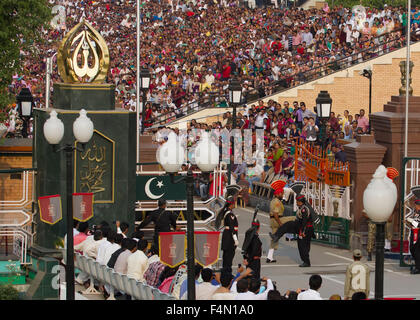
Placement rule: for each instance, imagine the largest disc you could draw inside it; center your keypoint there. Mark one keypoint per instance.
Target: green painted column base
(88, 96)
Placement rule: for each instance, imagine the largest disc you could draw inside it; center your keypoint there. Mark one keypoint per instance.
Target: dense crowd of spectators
(132, 256)
(285, 126)
(193, 48)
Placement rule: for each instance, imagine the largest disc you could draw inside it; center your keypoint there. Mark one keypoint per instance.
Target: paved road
(327, 261)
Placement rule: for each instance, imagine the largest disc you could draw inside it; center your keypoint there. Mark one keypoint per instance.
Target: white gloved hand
(236, 243)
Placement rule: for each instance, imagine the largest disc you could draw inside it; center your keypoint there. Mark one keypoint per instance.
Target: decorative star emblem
(160, 184)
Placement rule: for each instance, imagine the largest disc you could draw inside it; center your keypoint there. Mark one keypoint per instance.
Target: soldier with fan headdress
(277, 220)
(301, 225)
(276, 213)
(252, 246)
(230, 233)
(414, 225)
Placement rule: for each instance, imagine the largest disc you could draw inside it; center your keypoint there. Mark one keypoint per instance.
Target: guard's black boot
(305, 265)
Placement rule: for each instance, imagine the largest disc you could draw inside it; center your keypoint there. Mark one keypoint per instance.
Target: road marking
(331, 279)
(312, 265)
(409, 295)
(265, 215)
(338, 256)
(371, 264)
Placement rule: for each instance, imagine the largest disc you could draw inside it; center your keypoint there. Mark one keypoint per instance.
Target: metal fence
(102, 273)
(16, 215)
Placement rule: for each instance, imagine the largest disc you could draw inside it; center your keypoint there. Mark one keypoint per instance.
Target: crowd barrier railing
(136, 289)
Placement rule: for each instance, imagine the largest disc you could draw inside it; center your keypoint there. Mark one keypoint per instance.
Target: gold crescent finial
(88, 61)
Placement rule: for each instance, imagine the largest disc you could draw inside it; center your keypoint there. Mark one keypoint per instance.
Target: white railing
(121, 282)
(26, 197)
(21, 240)
(412, 177)
(16, 218)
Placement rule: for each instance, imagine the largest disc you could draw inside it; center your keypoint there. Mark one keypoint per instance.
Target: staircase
(350, 90)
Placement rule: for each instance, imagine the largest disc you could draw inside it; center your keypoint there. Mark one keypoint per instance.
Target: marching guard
(302, 226)
(230, 233)
(252, 246)
(276, 215)
(414, 224)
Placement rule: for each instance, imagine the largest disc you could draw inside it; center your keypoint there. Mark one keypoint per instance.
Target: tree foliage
(21, 25)
(8, 292)
(372, 3)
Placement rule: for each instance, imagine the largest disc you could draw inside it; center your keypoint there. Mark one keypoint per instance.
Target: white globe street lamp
(206, 153)
(171, 156)
(53, 133)
(379, 199)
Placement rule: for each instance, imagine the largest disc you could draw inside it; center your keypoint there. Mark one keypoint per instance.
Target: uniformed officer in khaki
(372, 235)
(357, 277)
(276, 215)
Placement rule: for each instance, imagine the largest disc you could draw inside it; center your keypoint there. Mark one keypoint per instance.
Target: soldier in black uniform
(414, 224)
(163, 220)
(252, 249)
(303, 227)
(305, 231)
(230, 233)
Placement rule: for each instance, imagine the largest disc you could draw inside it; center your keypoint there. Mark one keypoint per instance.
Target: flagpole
(70, 244)
(407, 81)
(138, 87)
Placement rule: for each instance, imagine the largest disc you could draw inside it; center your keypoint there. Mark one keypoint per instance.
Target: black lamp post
(379, 206)
(235, 98)
(323, 110)
(25, 105)
(367, 73)
(144, 85)
(53, 133)
(171, 156)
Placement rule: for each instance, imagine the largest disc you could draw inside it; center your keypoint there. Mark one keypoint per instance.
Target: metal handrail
(141, 292)
(317, 73)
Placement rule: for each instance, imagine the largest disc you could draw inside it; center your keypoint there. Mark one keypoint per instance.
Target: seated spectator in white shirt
(205, 290)
(312, 293)
(223, 292)
(91, 249)
(138, 262)
(109, 236)
(250, 289)
(112, 248)
(121, 264)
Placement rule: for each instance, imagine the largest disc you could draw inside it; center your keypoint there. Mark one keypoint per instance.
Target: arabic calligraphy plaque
(94, 168)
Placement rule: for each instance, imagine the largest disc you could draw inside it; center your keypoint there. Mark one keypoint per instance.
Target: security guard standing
(276, 215)
(305, 230)
(414, 224)
(252, 246)
(357, 277)
(253, 252)
(163, 220)
(230, 233)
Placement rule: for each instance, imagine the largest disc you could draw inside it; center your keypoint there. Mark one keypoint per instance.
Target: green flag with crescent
(159, 187)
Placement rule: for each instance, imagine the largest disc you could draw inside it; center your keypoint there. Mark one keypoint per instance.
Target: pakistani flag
(206, 247)
(50, 209)
(82, 206)
(172, 248)
(159, 187)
